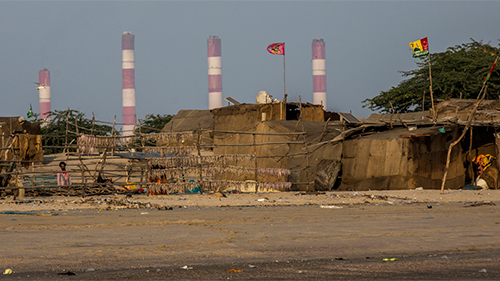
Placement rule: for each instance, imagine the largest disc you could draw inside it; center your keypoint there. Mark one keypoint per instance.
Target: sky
(80, 43)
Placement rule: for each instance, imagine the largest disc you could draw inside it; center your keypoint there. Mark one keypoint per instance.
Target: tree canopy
(57, 127)
(154, 123)
(457, 72)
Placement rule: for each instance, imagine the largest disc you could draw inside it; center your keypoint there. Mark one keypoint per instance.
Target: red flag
(491, 71)
(276, 49)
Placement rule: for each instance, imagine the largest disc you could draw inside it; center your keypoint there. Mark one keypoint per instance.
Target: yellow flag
(419, 47)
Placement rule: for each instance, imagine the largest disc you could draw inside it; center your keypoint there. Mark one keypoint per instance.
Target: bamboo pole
(430, 88)
(82, 166)
(66, 150)
(284, 81)
(324, 130)
(423, 105)
(93, 123)
(112, 133)
(307, 150)
(469, 122)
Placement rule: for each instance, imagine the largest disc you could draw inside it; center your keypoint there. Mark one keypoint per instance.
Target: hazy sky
(80, 43)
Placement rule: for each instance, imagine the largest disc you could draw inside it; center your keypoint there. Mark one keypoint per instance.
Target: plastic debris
(445, 257)
(419, 188)
(330, 207)
(8, 271)
(390, 259)
(252, 266)
(483, 270)
(300, 271)
(186, 267)
(232, 270)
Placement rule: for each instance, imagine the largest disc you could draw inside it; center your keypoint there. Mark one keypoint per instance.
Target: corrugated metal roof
(349, 118)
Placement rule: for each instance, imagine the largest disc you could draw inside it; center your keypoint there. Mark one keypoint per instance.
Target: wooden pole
(423, 104)
(82, 166)
(142, 139)
(284, 81)
(66, 150)
(434, 115)
(392, 114)
(307, 152)
(93, 123)
(112, 133)
(469, 123)
(198, 147)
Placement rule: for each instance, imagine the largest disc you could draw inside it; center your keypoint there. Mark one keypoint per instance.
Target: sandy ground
(274, 236)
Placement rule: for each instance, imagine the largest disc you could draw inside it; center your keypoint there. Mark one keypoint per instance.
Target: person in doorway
(63, 177)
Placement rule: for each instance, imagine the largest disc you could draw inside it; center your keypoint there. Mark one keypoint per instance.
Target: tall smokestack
(319, 72)
(214, 72)
(44, 92)
(128, 83)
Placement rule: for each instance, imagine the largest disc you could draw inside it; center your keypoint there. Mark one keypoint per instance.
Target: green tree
(154, 123)
(459, 71)
(53, 133)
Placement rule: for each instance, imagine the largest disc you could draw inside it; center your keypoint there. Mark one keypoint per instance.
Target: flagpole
(434, 115)
(284, 80)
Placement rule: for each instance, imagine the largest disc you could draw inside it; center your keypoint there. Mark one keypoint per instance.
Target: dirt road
(297, 238)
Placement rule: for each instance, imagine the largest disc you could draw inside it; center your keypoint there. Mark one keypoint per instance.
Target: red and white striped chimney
(44, 92)
(214, 72)
(128, 83)
(319, 72)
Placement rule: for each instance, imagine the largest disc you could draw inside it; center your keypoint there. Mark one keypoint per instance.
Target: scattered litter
(262, 199)
(483, 270)
(252, 266)
(182, 198)
(144, 213)
(8, 271)
(69, 273)
(390, 259)
(17, 213)
(194, 189)
(186, 267)
(479, 203)
(90, 270)
(330, 207)
(445, 257)
(300, 271)
(220, 194)
(419, 188)
(232, 270)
